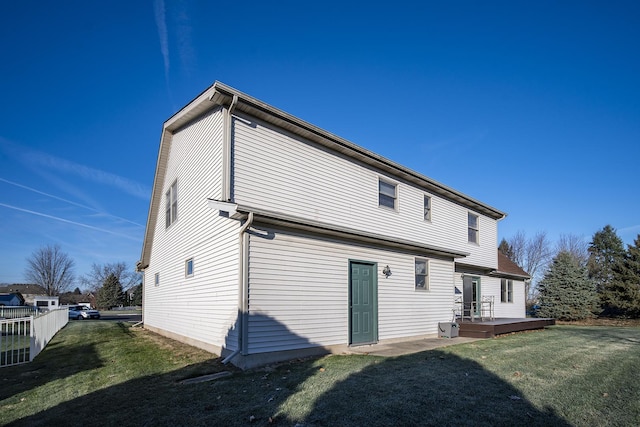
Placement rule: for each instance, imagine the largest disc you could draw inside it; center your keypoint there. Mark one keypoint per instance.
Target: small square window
(473, 228)
(188, 267)
(422, 274)
(387, 194)
(427, 208)
(156, 281)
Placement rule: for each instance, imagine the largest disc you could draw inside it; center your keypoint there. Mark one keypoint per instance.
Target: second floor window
(387, 194)
(473, 228)
(188, 268)
(171, 204)
(427, 208)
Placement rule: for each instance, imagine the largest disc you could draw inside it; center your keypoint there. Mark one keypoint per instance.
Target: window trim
(427, 207)
(171, 204)
(156, 279)
(506, 291)
(426, 274)
(188, 264)
(476, 229)
(395, 193)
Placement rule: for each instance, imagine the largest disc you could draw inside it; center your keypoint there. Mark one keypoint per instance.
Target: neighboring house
(11, 300)
(46, 303)
(269, 238)
(29, 292)
(72, 298)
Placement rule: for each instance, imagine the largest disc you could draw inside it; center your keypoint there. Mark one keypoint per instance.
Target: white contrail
(629, 229)
(79, 224)
(128, 186)
(70, 202)
(163, 34)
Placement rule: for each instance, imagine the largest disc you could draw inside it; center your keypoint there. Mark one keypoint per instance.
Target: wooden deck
(490, 328)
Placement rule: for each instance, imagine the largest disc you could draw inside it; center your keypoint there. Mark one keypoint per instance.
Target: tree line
(577, 280)
(54, 270)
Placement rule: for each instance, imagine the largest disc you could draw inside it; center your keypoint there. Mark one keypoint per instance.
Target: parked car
(74, 313)
(80, 312)
(88, 313)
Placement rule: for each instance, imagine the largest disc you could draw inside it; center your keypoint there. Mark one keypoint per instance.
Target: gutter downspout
(226, 150)
(243, 288)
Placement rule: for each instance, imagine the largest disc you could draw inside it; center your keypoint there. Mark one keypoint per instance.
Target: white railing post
(32, 339)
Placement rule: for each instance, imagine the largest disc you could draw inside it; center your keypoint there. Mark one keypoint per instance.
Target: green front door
(363, 303)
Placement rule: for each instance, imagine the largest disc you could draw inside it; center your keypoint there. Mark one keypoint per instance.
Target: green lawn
(106, 373)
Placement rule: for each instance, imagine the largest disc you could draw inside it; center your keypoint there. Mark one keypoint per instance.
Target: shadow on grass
(429, 388)
(56, 362)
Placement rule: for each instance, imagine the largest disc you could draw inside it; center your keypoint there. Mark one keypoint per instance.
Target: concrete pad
(401, 348)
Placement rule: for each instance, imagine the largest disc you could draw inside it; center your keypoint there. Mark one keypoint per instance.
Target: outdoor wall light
(386, 271)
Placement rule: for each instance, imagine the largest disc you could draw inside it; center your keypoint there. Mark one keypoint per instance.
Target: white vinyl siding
(299, 288)
(491, 286)
(203, 307)
(275, 171)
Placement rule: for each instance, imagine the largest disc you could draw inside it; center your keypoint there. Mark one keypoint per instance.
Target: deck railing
(22, 339)
(471, 310)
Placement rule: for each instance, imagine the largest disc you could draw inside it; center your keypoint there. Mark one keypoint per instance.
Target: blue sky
(531, 107)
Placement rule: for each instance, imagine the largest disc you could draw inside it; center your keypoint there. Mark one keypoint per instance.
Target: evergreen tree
(566, 293)
(621, 296)
(605, 250)
(137, 295)
(110, 294)
(506, 249)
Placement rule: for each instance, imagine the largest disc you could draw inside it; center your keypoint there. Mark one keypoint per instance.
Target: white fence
(24, 338)
(10, 312)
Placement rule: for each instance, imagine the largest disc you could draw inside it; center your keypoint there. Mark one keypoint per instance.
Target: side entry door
(471, 296)
(363, 303)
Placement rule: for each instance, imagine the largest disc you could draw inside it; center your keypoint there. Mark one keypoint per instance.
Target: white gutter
(243, 288)
(226, 149)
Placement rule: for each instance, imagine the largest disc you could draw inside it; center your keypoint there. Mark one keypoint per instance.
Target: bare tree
(532, 255)
(518, 244)
(574, 245)
(50, 268)
(99, 273)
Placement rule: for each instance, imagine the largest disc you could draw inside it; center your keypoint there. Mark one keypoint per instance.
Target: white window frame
(424, 274)
(188, 265)
(156, 279)
(171, 204)
(506, 290)
(427, 207)
(471, 230)
(385, 195)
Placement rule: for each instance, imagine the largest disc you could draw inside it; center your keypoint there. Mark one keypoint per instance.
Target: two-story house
(270, 238)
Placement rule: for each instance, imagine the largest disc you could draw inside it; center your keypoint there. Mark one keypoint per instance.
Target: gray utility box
(447, 330)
